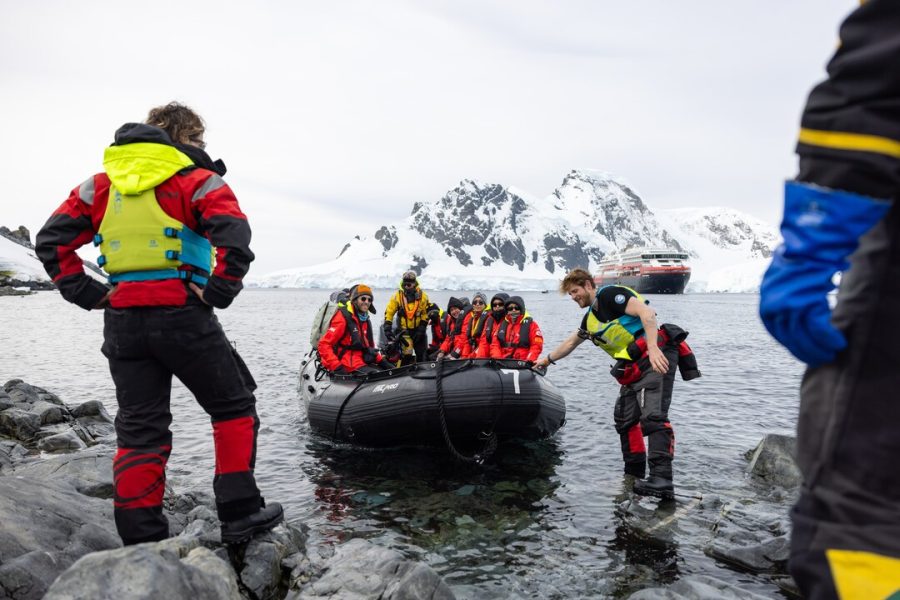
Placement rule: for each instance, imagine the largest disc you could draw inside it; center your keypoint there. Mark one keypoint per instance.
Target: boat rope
(337, 419)
(490, 444)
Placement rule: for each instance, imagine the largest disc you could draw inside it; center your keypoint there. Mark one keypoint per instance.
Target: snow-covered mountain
(486, 236)
(19, 266)
(18, 263)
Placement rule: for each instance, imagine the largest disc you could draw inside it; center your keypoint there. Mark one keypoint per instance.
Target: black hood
(131, 133)
(516, 300)
(498, 315)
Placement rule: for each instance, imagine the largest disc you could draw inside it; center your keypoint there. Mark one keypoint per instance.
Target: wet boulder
(697, 587)
(773, 460)
(751, 537)
(41, 421)
(89, 471)
(47, 526)
(92, 416)
(361, 570)
(19, 424)
(175, 568)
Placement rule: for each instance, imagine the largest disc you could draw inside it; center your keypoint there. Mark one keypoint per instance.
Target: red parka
(347, 342)
(197, 196)
(488, 334)
(469, 336)
(518, 338)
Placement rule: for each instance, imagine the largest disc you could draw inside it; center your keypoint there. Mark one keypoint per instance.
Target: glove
(386, 364)
(821, 228)
(369, 355)
(388, 330)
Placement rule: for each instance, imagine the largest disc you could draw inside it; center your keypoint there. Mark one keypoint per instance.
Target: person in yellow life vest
(409, 305)
(620, 322)
(157, 213)
(841, 214)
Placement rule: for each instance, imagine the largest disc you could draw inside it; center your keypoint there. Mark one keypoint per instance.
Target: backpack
(323, 316)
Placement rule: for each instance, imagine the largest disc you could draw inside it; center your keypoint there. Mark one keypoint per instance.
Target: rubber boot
(241, 530)
(637, 469)
(655, 486)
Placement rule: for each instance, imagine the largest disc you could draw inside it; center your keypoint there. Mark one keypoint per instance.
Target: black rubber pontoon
(421, 405)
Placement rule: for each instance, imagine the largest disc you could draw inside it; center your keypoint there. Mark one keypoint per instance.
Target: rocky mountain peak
(20, 236)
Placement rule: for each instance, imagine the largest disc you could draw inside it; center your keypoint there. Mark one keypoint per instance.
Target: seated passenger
(348, 347)
(454, 308)
(409, 304)
(491, 325)
(438, 335)
(518, 337)
(470, 330)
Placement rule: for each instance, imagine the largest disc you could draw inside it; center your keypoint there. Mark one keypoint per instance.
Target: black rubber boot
(637, 469)
(241, 530)
(655, 486)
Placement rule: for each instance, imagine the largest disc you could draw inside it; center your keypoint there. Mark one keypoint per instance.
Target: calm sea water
(545, 520)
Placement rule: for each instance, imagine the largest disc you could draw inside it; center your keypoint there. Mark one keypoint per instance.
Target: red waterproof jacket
(469, 336)
(488, 334)
(348, 342)
(518, 338)
(197, 196)
(449, 327)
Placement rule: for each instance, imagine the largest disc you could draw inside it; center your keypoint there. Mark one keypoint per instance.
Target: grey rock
(27, 576)
(89, 472)
(50, 412)
(19, 424)
(161, 570)
(751, 537)
(261, 573)
(773, 460)
(45, 517)
(360, 570)
(67, 441)
(11, 452)
(697, 587)
(91, 408)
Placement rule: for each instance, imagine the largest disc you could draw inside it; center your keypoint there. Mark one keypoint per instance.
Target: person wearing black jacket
(841, 214)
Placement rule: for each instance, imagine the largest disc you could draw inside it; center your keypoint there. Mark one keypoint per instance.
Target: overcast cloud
(335, 117)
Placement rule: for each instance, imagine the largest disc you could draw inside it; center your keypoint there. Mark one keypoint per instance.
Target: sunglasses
(409, 283)
(497, 305)
(478, 303)
(365, 298)
(199, 143)
(513, 308)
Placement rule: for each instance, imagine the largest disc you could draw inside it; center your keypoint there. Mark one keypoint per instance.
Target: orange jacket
(519, 339)
(347, 342)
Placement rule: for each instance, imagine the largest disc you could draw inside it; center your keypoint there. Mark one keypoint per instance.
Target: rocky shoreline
(58, 539)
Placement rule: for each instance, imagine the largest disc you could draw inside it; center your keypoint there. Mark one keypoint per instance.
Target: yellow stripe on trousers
(850, 141)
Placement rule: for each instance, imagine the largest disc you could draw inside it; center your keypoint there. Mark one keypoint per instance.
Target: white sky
(335, 117)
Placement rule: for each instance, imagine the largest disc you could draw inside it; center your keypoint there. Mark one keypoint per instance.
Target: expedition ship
(648, 271)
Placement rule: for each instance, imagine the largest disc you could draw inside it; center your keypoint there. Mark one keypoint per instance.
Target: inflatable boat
(461, 404)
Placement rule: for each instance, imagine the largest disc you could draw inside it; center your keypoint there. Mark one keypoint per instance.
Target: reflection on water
(553, 519)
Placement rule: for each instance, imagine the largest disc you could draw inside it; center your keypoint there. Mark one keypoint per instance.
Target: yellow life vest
(613, 337)
(138, 241)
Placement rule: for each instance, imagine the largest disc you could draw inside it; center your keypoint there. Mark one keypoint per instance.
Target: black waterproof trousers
(146, 347)
(642, 409)
(846, 524)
